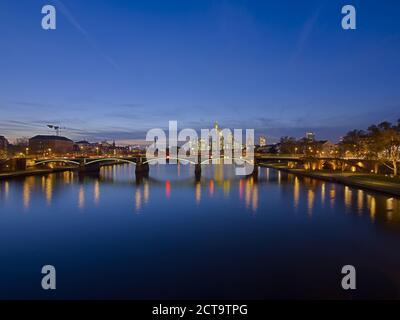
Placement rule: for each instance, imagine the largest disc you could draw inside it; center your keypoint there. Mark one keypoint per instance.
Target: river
(170, 236)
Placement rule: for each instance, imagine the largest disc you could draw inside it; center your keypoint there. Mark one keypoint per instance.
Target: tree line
(379, 142)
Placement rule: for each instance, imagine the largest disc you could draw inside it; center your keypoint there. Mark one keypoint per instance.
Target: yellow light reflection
(360, 200)
(310, 201)
(389, 208)
(138, 199)
(227, 187)
(296, 192)
(332, 196)
(49, 189)
(26, 194)
(146, 192)
(323, 193)
(254, 201)
(347, 197)
(81, 197)
(43, 184)
(96, 193)
(219, 173)
(6, 189)
(198, 192)
(389, 204)
(67, 177)
(371, 206)
(247, 194)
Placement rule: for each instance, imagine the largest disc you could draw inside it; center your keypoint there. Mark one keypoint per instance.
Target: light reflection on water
(218, 180)
(303, 216)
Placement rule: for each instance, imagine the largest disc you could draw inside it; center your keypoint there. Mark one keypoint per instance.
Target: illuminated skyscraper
(262, 141)
(310, 136)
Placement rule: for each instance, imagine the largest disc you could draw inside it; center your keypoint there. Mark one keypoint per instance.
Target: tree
(3, 154)
(310, 148)
(384, 144)
(354, 144)
(288, 145)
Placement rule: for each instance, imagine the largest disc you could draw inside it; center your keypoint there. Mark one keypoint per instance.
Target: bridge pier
(89, 169)
(255, 171)
(142, 169)
(197, 171)
(140, 178)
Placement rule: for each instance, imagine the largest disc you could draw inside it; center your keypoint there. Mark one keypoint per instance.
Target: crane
(56, 128)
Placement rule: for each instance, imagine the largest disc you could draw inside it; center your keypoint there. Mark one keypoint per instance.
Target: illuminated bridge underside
(57, 161)
(135, 161)
(293, 161)
(142, 165)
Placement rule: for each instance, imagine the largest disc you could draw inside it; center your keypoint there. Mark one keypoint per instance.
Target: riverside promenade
(372, 182)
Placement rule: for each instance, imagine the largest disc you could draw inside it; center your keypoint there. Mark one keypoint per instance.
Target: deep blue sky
(115, 68)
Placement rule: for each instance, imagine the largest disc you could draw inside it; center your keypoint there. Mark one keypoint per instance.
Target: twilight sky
(114, 69)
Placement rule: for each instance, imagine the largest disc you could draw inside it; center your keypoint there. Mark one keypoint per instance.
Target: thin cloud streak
(74, 22)
(305, 35)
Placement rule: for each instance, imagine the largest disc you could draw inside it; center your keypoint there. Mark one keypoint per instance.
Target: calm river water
(278, 236)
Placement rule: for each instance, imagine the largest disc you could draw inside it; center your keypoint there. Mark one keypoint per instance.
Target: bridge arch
(194, 162)
(87, 163)
(110, 159)
(232, 159)
(329, 165)
(56, 160)
(169, 158)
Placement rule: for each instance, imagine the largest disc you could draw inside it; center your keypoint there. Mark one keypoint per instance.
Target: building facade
(3, 143)
(50, 145)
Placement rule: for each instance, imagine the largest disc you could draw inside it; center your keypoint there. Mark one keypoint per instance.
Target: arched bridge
(130, 160)
(322, 162)
(92, 165)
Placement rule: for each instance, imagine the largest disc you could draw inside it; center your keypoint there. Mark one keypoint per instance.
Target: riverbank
(33, 172)
(371, 182)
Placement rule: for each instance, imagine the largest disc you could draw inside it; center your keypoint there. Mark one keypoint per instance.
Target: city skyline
(283, 69)
(194, 156)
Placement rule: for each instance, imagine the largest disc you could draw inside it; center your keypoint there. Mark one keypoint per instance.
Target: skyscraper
(310, 136)
(262, 141)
